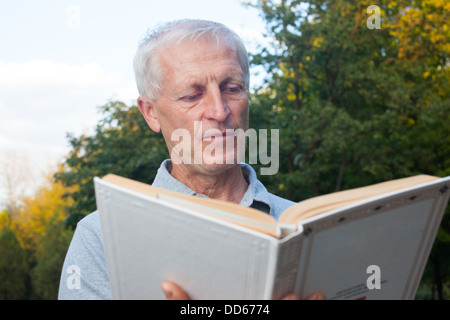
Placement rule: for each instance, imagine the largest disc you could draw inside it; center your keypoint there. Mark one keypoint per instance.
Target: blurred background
(360, 95)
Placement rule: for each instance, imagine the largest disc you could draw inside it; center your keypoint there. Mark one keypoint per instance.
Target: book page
(392, 235)
(314, 206)
(227, 211)
(249, 220)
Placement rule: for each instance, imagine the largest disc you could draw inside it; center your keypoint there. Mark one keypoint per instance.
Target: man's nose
(216, 105)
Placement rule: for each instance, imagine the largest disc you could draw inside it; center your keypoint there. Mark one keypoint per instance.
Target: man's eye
(191, 97)
(233, 89)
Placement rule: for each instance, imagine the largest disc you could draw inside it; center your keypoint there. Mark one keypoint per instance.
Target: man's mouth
(219, 135)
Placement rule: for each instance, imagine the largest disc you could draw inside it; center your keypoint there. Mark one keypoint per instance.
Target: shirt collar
(256, 195)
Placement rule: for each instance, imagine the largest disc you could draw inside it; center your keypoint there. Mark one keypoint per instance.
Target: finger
(173, 292)
(291, 297)
(315, 296)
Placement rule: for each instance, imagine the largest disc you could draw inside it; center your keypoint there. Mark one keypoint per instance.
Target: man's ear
(146, 107)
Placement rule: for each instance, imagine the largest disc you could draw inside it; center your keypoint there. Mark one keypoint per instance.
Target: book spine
(287, 264)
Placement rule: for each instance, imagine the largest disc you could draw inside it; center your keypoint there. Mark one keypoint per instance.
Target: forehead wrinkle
(192, 79)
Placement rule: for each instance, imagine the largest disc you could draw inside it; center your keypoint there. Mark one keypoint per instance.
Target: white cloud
(42, 100)
(43, 88)
(127, 94)
(50, 73)
(2, 108)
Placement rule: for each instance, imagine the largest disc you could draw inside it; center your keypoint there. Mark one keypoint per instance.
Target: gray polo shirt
(84, 275)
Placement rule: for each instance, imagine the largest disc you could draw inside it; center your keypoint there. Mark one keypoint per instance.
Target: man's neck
(229, 185)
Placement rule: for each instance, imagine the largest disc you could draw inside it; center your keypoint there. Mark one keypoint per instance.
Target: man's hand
(173, 292)
(312, 296)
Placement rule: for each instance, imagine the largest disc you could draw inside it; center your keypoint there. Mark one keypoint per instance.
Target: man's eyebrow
(195, 83)
(234, 77)
(184, 86)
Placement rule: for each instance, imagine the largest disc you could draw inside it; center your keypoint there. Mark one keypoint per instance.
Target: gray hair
(147, 68)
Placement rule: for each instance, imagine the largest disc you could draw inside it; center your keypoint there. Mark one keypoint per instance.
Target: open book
(366, 243)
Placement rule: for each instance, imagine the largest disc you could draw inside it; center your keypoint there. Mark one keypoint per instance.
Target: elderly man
(191, 75)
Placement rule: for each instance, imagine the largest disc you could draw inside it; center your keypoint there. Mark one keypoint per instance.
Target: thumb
(173, 292)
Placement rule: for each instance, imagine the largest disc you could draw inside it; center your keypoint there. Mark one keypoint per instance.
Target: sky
(60, 60)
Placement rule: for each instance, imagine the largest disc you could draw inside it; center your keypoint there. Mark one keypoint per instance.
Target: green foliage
(33, 245)
(13, 267)
(49, 261)
(350, 107)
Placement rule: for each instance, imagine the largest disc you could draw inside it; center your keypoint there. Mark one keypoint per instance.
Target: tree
(5, 219)
(49, 257)
(13, 267)
(325, 63)
(33, 243)
(49, 202)
(17, 178)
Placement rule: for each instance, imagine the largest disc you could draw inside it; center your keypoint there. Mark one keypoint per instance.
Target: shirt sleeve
(84, 275)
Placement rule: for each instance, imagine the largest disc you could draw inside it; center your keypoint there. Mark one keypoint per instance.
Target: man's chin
(209, 166)
(217, 168)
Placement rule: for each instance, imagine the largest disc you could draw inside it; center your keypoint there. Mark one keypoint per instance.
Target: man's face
(203, 88)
